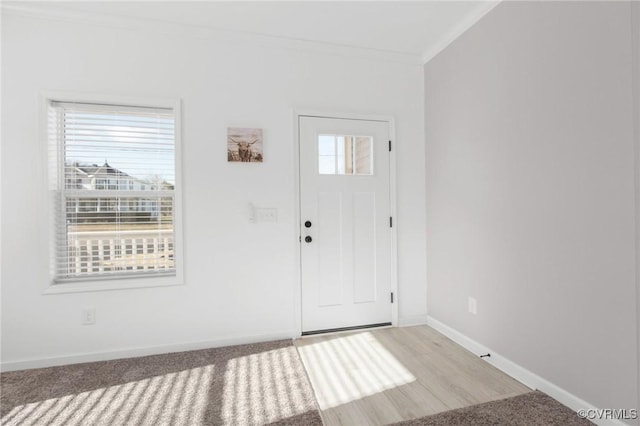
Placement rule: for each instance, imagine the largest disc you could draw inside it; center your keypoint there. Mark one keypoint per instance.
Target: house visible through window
(114, 178)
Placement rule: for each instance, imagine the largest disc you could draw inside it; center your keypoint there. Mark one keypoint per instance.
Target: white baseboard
(136, 352)
(518, 372)
(412, 320)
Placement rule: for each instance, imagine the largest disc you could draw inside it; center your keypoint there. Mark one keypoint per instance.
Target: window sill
(124, 283)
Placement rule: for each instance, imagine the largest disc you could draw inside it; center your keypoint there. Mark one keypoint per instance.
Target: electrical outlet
(88, 316)
(472, 306)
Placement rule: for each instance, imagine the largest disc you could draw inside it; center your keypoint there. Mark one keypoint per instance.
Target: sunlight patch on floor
(263, 388)
(254, 389)
(170, 398)
(350, 367)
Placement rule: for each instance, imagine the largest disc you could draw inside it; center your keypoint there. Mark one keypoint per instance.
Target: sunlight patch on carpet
(263, 388)
(245, 387)
(161, 399)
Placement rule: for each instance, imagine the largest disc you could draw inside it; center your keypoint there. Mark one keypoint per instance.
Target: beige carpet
(529, 409)
(256, 384)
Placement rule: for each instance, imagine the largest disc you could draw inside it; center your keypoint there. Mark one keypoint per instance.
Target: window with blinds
(113, 176)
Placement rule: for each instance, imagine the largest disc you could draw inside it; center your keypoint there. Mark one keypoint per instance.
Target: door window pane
(327, 155)
(345, 155)
(363, 155)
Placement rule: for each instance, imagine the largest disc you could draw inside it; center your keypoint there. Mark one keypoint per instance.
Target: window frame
(52, 207)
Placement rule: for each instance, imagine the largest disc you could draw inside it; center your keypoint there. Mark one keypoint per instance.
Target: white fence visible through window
(119, 252)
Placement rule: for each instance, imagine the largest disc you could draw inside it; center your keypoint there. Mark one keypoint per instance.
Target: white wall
(530, 192)
(636, 112)
(240, 277)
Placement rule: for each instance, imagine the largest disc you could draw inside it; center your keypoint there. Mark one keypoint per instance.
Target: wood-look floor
(382, 376)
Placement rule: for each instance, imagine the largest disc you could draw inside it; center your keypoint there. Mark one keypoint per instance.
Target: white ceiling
(417, 28)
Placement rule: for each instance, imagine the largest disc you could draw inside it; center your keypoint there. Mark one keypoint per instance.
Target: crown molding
(51, 12)
(464, 25)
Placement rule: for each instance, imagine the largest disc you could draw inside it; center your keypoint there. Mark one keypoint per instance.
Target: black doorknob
(307, 224)
(308, 239)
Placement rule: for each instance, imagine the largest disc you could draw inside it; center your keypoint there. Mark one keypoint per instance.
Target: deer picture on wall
(244, 145)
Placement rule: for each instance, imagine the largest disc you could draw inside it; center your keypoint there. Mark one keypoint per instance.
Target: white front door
(345, 223)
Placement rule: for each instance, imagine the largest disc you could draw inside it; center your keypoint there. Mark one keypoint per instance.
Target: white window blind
(112, 173)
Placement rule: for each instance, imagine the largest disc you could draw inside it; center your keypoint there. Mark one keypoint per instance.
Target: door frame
(297, 294)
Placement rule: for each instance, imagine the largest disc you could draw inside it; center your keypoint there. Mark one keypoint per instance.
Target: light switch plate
(267, 215)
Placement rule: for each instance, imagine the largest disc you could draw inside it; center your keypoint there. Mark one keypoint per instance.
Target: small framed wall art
(244, 145)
